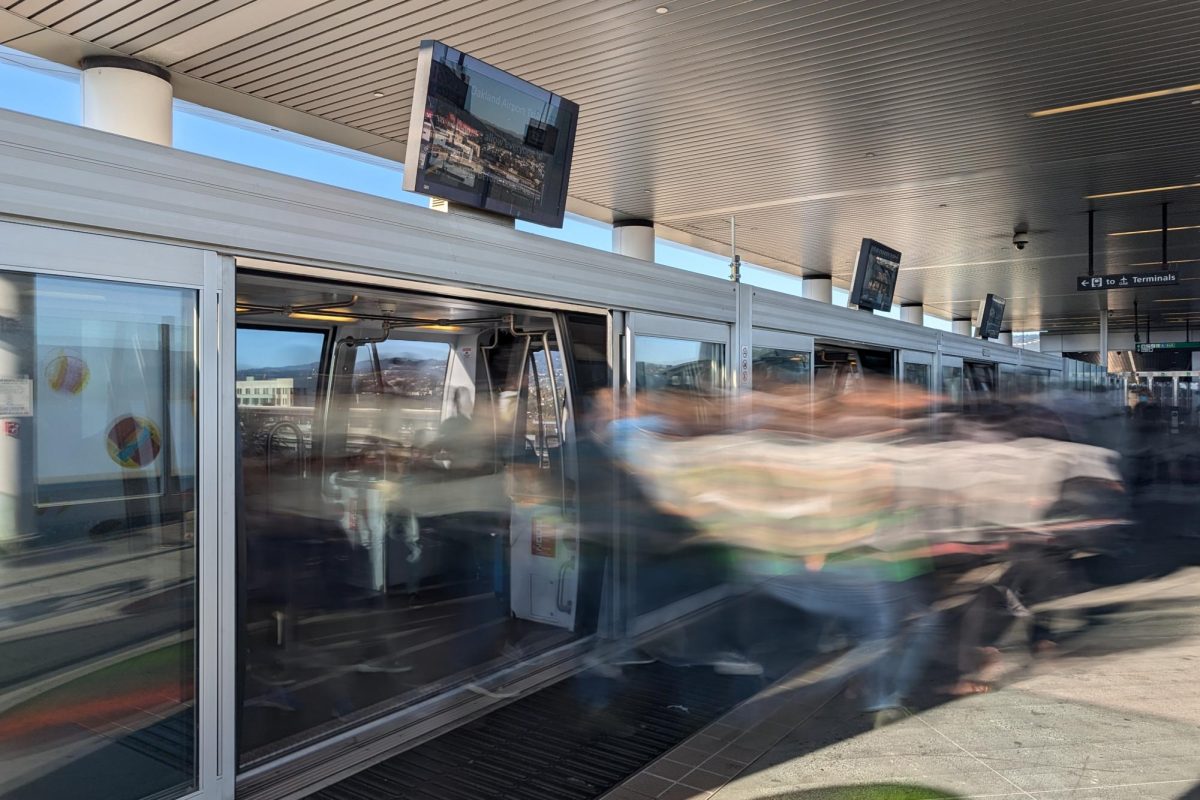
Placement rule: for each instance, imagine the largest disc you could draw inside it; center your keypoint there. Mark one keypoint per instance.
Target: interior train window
(398, 388)
(777, 367)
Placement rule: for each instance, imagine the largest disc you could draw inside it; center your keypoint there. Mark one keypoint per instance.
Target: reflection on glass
(693, 372)
(774, 367)
(952, 387)
(917, 375)
(97, 539)
(407, 522)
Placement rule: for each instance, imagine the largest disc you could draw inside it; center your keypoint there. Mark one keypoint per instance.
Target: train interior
(408, 515)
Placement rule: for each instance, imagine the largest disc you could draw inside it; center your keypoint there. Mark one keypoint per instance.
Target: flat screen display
(875, 276)
(484, 138)
(991, 314)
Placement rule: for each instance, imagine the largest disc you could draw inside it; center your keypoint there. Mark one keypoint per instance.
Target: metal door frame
(47, 250)
(667, 327)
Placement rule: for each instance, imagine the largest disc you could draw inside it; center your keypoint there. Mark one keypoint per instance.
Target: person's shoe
(887, 716)
(736, 664)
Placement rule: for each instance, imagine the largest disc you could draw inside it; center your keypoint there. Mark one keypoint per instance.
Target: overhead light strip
(1156, 230)
(1152, 190)
(1114, 101)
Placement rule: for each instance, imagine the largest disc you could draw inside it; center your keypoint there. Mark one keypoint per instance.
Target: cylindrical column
(1006, 337)
(634, 238)
(818, 287)
(127, 96)
(913, 313)
(962, 326)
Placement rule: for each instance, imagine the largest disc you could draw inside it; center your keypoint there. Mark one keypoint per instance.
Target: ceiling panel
(814, 124)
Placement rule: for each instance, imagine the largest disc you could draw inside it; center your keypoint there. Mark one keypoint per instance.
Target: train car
(303, 472)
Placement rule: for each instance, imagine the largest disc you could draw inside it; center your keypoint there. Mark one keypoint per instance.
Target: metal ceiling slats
(399, 60)
(165, 47)
(138, 18)
(53, 14)
(84, 18)
(366, 49)
(261, 71)
(204, 62)
(166, 23)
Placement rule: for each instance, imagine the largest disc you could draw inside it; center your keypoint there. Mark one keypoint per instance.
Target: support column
(16, 427)
(818, 287)
(634, 238)
(962, 326)
(913, 313)
(128, 97)
(1006, 337)
(1103, 348)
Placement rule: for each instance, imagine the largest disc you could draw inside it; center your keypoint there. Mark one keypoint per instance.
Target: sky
(33, 86)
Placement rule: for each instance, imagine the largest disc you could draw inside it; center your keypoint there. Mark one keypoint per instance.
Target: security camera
(1020, 239)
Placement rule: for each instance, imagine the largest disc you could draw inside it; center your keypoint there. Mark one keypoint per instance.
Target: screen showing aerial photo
(492, 140)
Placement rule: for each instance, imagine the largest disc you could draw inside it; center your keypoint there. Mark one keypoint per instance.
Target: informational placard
(1154, 347)
(1125, 280)
(16, 397)
(875, 276)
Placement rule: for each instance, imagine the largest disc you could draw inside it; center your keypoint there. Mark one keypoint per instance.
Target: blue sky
(33, 86)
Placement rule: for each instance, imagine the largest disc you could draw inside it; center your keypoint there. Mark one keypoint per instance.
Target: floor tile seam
(977, 759)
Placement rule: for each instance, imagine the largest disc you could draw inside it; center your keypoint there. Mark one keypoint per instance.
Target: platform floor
(1114, 714)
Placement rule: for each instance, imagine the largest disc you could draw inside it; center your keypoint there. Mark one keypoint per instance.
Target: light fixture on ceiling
(1113, 101)
(1152, 190)
(321, 316)
(1178, 300)
(440, 327)
(378, 94)
(1156, 230)
(661, 10)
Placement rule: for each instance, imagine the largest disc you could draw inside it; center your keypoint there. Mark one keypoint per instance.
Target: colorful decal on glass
(133, 442)
(67, 374)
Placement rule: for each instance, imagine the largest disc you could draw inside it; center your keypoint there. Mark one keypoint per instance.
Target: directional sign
(1125, 280)
(1151, 347)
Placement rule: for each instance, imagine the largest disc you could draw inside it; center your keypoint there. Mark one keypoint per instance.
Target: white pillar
(819, 288)
(962, 326)
(16, 435)
(634, 238)
(1006, 337)
(914, 314)
(126, 96)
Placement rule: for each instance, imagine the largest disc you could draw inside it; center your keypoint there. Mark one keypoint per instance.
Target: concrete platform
(1114, 714)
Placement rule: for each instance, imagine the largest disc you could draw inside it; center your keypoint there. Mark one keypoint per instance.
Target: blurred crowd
(925, 546)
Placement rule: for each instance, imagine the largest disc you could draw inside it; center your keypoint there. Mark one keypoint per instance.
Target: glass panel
(97, 539)
(665, 572)
(776, 368)
(422, 536)
(952, 386)
(917, 375)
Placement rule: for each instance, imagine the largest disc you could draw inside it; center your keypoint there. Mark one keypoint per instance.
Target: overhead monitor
(875, 276)
(991, 314)
(481, 137)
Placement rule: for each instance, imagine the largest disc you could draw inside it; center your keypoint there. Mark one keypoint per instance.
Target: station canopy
(813, 123)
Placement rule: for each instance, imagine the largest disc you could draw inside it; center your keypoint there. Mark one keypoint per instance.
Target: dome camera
(1020, 239)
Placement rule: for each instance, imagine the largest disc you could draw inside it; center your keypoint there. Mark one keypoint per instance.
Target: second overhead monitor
(991, 315)
(875, 276)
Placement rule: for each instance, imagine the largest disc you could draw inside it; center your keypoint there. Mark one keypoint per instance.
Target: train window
(97, 531)
(776, 368)
(917, 375)
(398, 388)
(678, 364)
(952, 387)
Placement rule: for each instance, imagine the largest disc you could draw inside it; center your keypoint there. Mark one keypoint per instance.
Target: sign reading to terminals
(1125, 280)
(1153, 347)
